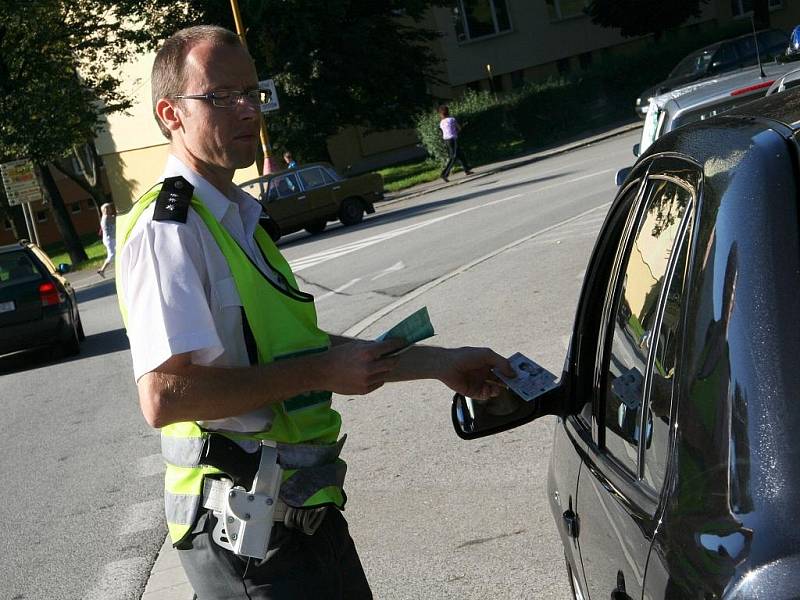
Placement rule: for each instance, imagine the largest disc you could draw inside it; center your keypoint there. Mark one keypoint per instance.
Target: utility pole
(269, 164)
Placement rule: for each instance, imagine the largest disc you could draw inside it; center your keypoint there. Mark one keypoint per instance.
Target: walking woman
(450, 130)
(108, 230)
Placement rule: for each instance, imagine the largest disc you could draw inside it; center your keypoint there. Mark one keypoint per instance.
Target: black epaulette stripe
(173, 200)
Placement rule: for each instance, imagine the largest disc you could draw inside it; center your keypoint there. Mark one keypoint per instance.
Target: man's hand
(468, 371)
(358, 367)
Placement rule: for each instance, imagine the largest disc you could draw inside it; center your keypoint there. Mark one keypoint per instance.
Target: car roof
(21, 245)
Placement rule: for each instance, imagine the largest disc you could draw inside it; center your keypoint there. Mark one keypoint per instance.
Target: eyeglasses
(230, 98)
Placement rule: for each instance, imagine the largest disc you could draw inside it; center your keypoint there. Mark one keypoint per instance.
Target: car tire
(317, 227)
(352, 211)
(73, 344)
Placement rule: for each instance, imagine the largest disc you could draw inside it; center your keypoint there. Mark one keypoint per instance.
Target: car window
(725, 56)
(772, 40)
(334, 176)
(313, 178)
(694, 63)
(652, 123)
(706, 112)
(746, 48)
(16, 267)
(662, 378)
(641, 278)
(282, 186)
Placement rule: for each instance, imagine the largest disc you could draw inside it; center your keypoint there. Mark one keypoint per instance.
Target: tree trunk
(94, 191)
(63, 221)
(761, 14)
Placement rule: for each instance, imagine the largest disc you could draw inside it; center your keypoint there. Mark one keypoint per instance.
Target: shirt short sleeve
(164, 282)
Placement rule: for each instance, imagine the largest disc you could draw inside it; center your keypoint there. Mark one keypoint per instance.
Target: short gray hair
(169, 68)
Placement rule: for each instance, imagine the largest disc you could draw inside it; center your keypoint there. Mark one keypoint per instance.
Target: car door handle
(570, 522)
(337, 187)
(303, 197)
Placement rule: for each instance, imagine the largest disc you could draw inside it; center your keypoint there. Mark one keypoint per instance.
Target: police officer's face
(219, 138)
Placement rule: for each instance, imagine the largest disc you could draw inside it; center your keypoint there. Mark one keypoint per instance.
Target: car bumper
(53, 328)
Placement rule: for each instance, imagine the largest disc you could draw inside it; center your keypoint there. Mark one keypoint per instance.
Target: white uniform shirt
(179, 290)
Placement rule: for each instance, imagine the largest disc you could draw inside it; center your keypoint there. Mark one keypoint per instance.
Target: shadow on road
(101, 290)
(380, 218)
(97, 344)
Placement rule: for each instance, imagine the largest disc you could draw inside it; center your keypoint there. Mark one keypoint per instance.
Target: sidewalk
(512, 163)
(167, 580)
(87, 278)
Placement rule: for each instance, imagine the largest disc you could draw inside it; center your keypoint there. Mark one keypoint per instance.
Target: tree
(56, 80)
(335, 63)
(643, 17)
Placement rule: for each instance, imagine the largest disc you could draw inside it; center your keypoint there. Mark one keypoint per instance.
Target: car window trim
(635, 489)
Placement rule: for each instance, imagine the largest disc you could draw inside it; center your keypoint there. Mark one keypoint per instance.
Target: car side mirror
(64, 268)
(636, 148)
(622, 175)
(478, 418)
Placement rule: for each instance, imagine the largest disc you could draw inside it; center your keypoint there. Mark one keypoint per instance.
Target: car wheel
(317, 227)
(81, 334)
(351, 212)
(73, 345)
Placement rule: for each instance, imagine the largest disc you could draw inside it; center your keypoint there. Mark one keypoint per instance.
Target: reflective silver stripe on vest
(186, 452)
(306, 482)
(181, 509)
(182, 451)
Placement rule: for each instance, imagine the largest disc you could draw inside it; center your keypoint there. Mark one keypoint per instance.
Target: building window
(744, 8)
(585, 60)
(480, 18)
(565, 9)
(75, 207)
(41, 216)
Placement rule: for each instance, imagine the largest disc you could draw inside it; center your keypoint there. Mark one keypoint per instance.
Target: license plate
(7, 306)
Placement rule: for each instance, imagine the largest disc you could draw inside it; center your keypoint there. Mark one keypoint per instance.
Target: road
(498, 261)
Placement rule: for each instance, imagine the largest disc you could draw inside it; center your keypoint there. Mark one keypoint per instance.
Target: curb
(514, 163)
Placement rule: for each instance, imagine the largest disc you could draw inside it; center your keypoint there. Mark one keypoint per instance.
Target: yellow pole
(237, 19)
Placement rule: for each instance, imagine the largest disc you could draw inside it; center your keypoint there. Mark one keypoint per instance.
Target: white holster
(245, 517)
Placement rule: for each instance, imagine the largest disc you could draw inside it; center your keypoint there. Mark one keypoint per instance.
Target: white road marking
(148, 466)
(398, 266)
(338, 290)
(118, 579)
(359, 327)
(143, 516)
(313, 260)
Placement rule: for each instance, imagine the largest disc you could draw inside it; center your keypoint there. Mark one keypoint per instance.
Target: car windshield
(692, 64)
(15, 267)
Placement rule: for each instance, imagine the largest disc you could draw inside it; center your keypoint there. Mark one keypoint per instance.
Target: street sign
(272, 103)
(20, 182)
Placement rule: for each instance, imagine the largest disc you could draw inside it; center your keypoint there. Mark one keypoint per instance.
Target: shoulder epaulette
(173, 200)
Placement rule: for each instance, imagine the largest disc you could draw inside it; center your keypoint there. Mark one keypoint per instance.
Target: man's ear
(168, 114)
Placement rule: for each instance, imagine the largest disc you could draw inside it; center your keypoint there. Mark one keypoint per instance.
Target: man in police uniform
(223, 341)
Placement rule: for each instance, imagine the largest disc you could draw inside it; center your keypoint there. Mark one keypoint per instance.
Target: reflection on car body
(689, 318)
(308, 197)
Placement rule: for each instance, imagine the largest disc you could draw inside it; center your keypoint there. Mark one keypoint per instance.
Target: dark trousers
(454, 153)
(298, 566)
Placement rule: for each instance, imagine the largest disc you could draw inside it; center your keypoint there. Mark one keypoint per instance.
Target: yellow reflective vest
(283, 323)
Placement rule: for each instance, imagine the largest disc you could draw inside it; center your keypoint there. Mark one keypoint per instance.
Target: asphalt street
(498, 261)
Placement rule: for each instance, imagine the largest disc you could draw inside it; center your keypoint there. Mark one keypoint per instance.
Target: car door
(287, 203)
(317, 186)
(618, 493)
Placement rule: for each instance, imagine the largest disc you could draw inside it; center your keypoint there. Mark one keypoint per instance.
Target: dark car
(308, 197)
(722, 57)
(37, 304)
(675, 470)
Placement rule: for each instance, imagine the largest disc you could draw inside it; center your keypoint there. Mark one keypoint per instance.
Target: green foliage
(335, 63)
(642, 17)
(542, 114)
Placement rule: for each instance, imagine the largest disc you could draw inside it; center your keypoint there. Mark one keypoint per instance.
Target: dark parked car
(308, 197)
(37, 304)
(722, 57)
(675, 468)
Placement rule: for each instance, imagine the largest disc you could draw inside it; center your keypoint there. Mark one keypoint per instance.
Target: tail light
(49, 294)
(752, 88)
